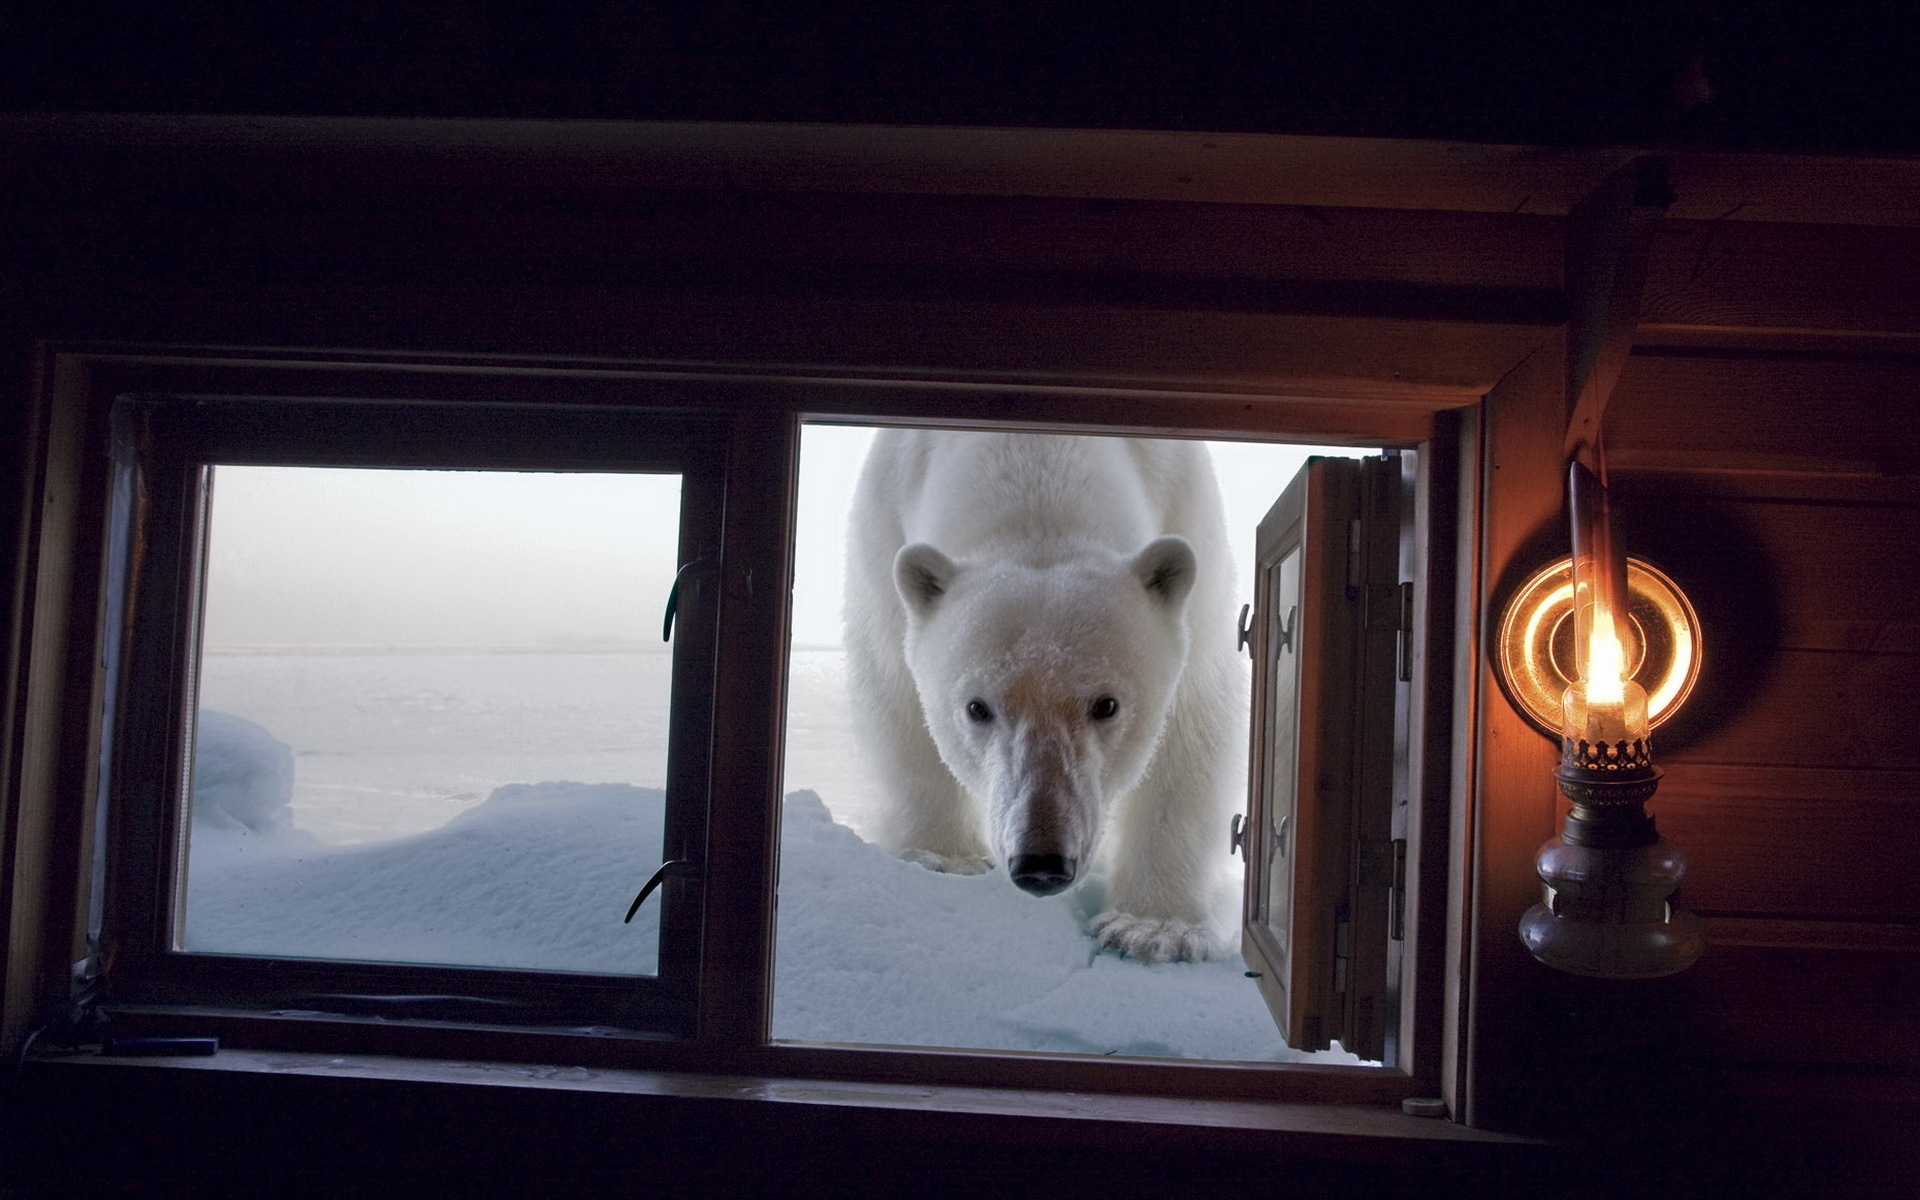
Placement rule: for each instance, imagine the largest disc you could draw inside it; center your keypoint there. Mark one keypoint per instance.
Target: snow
(871, 949)
(243, 775)
(534, 878)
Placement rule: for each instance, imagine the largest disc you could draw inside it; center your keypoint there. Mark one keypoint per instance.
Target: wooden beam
(1608, 235)
(1095, 164)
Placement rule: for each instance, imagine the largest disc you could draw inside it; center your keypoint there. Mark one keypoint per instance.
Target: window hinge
(1384, 865)
(1405, 625)
(1355, 561)
(1375, 868)
(1342, 948)
(1397, 912)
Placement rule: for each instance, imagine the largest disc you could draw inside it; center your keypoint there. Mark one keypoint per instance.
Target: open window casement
(1325, 865)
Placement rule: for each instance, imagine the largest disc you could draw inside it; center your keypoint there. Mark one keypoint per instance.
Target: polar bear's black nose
(1041, 874)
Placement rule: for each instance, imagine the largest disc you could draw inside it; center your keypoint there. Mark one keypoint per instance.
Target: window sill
(1334, 1132)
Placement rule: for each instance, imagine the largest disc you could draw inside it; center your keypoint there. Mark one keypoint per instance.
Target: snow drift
(871, 949)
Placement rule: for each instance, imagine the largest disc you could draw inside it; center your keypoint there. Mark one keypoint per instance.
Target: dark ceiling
(1838, 75)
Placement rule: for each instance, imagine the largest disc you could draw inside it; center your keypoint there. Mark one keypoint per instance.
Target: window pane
(875, 948)
(1283, 763)
(433, 713)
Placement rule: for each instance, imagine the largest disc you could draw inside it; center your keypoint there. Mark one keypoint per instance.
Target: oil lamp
(1609, 874)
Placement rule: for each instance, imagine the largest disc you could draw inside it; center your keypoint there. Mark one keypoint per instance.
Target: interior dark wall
(1799, 75)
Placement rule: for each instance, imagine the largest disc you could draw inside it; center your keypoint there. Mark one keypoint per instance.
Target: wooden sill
(1323, 1131)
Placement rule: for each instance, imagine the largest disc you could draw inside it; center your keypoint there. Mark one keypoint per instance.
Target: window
(364, 639)
(1325, 839)
(871, 949)
(190, 437)
(402, 679)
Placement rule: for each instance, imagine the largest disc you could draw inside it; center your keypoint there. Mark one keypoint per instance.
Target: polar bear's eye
(978, 712)
(1104, 708)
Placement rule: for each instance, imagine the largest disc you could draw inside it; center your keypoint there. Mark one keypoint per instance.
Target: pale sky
(309, 556)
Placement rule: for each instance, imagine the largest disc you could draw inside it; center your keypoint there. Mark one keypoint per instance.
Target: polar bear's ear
(1167, 569)
(922, 575)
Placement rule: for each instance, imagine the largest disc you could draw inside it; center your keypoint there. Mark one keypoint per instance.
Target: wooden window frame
(762, 412)
(162, 449)
(1334, 659)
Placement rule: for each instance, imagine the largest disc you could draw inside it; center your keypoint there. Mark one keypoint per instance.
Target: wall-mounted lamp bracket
(1608, 236)
(1598, 648)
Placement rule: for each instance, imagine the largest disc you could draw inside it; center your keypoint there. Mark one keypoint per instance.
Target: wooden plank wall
(1780, 487)
(1763, 441)
(1767, 451)
(1804, 469)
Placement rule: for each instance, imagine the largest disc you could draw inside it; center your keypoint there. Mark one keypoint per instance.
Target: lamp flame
(1606, 661)
(1605, 708)
(1599, 584)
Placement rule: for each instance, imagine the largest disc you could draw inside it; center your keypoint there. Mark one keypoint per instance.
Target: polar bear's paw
(950, 864)
(1154, 940)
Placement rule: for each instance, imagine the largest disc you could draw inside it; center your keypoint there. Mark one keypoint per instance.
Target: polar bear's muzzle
(1042, 874)
(1043, 817)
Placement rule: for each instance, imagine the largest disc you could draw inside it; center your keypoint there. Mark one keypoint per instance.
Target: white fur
(1037, 574)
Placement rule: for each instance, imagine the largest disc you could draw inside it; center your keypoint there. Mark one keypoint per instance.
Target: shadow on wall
(1711, 551)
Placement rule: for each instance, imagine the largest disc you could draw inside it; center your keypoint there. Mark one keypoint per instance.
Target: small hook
(683, 867)
(1284, 635)
(673, 595)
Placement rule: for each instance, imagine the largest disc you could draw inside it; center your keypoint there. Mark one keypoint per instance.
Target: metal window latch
(1240, 837)
(689, 572)
(685, 868)
(1282, 637)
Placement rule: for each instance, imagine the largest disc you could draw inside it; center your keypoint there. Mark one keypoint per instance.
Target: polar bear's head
(1047, 687)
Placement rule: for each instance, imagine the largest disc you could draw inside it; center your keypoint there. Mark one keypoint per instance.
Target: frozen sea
(501, 809)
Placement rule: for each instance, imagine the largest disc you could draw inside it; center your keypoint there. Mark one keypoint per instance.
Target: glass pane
(432, 717)
(873, 947)
(1282, 764)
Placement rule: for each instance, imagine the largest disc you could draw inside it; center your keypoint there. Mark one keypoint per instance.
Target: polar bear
(1043, 673)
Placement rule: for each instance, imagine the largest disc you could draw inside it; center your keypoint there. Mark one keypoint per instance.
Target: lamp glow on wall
(1597, 650)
